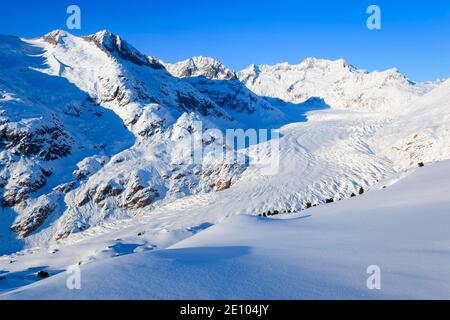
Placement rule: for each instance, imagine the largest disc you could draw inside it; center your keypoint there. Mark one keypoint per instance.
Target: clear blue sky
(415, 35)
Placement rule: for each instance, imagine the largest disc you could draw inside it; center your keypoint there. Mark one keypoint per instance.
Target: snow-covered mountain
(340, 84)
(96, 142)
(200, 66)
(58, 162)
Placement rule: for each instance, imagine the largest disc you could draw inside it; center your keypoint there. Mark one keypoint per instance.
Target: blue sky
(415, 35)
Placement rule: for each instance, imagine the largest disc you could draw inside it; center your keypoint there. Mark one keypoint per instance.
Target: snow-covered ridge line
(340, 84)
(201, 66)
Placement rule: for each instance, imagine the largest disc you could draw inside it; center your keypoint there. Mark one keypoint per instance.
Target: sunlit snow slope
(323, 253)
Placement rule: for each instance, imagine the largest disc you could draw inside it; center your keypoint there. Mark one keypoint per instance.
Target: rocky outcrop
(116, 46)
(222, 185)
(47, 141)
(36, 216)
(99, 193)
(141, 199)
(187, 103)
(138, 193)
(23, 182)
(66, 187)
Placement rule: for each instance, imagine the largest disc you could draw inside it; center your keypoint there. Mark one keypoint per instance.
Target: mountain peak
(116, 46)
(54, 37)
(312, 62)
(105, 38)
(306, 64)
(208, 67)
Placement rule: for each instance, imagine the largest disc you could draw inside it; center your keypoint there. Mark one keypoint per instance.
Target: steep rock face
(201, 66)
(138, 194)
(35, 138)
(115, 45)
(231, 95)
(162, 171)
(211, 78)
(36, 214)
(341, 85)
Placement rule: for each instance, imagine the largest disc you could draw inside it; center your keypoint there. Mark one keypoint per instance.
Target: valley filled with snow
(100, 169)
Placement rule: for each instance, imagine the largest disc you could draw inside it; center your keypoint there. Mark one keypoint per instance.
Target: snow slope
(421, 133)
(321, 253)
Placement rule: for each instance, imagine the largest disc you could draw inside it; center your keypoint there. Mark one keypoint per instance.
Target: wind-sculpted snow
(327, 252)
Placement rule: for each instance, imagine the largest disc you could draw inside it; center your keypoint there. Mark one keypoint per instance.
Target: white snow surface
(322, 253)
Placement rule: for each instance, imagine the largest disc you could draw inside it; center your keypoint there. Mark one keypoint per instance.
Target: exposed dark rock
(179, 176)
(13, 197)
(50, 38)
(46, 142)
(86, 199)
(114, 45)
(110, 189)
(187, 103)
(23, 185)
(43, 274)
(67, 187)
(142, 198)
(222, 185)
(237, 97)
(34, 219)
(153, 128)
